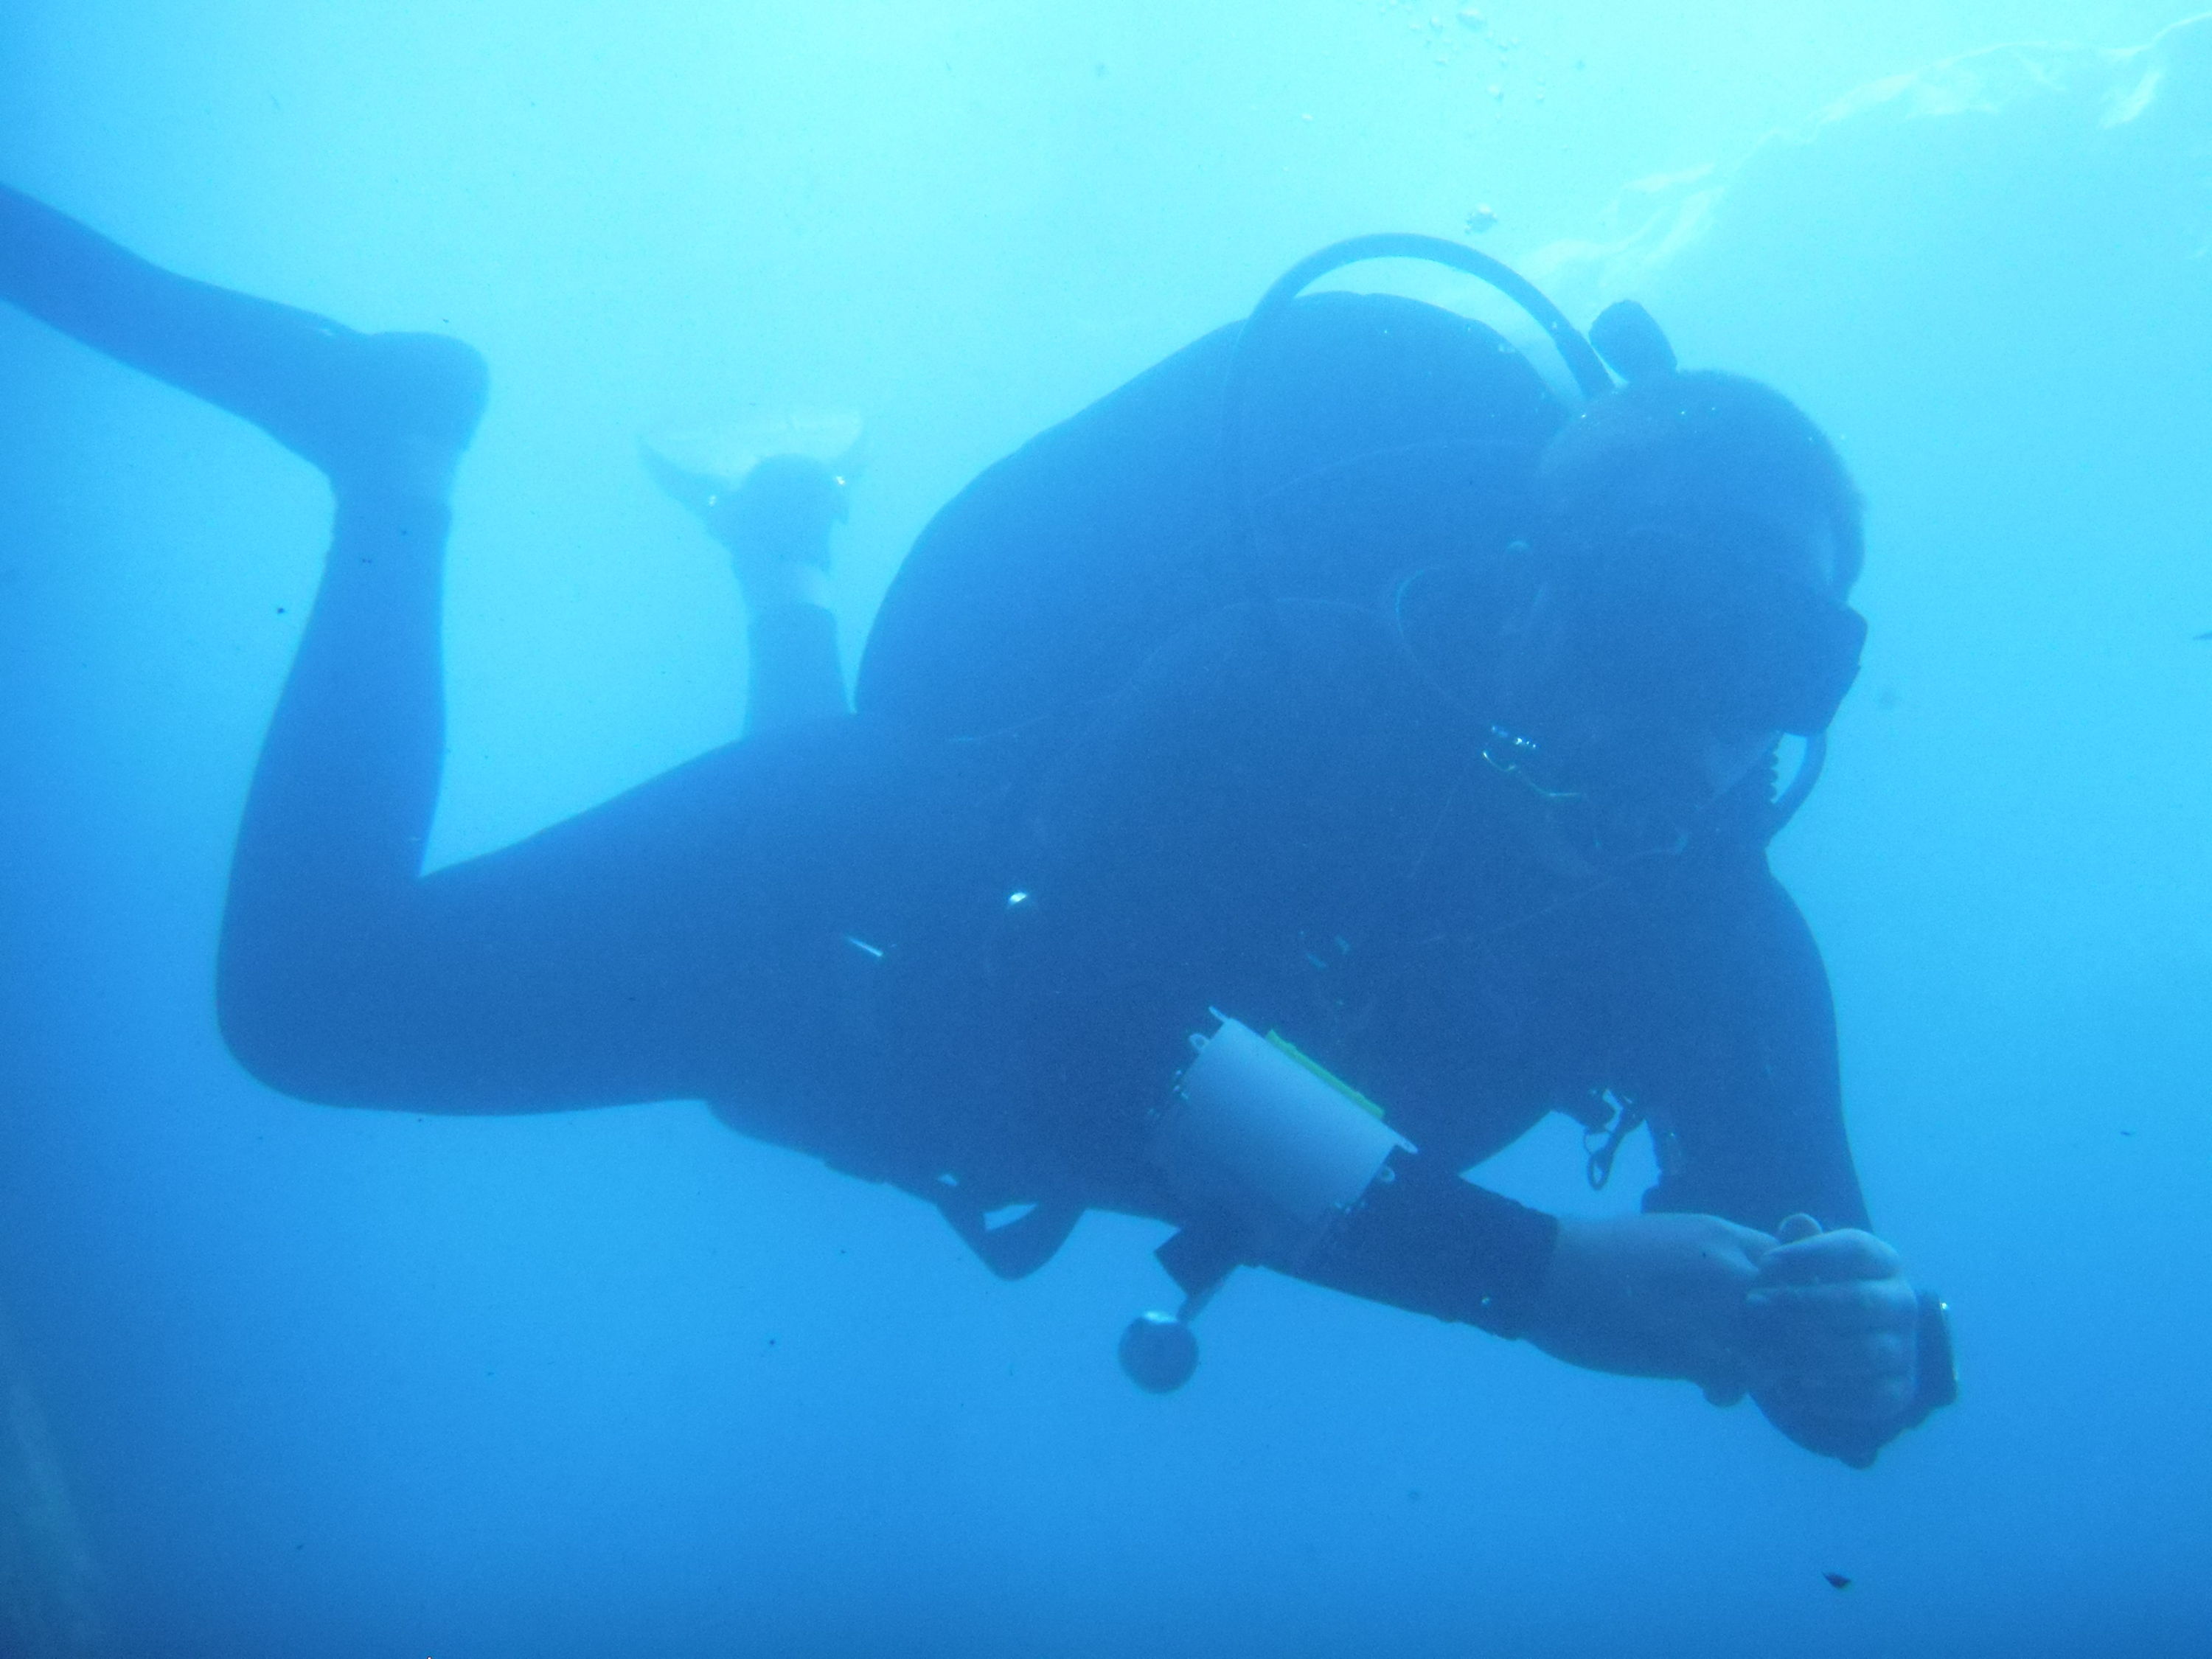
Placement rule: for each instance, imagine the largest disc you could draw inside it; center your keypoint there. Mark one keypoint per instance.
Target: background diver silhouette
(958, 939)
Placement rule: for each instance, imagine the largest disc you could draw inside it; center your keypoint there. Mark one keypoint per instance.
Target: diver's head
(1701, 454)
(1697, 537)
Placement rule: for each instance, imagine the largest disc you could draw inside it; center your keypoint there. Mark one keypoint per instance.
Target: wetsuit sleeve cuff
(1426, 1241)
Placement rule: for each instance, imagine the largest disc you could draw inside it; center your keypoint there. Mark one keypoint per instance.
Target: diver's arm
(1659, 1294)
(1839, 1350)
(1639, 1296)
(1746, 1093)
(575, 968)
(1430, 1242)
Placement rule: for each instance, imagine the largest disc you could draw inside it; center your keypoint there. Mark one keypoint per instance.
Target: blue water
(621, 1382)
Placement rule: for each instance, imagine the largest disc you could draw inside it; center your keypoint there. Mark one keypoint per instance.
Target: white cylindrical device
(1260, 1133)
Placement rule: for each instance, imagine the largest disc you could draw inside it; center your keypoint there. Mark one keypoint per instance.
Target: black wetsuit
(1205, 798)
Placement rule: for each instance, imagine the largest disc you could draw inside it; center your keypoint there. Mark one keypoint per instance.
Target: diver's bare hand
(1652, 1295)
(1831, 1326)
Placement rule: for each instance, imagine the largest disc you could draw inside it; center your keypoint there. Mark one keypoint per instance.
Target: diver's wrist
(1431, 1243)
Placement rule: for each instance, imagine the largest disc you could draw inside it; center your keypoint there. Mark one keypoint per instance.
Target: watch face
(1938, 1362)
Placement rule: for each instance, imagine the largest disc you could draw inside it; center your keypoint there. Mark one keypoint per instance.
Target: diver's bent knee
(280, 1050)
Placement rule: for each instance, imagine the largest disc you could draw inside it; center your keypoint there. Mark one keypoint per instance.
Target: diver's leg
(677, 942)
(776, 521)
(324, 932)
(794, 671)
(334, 397)
(330, 846)
(332, 842)
(348, 773)
(776, 526)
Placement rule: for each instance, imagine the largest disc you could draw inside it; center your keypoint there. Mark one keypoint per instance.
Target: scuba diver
(1268, 793)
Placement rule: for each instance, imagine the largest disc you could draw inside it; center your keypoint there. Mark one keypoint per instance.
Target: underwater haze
(302, 1381)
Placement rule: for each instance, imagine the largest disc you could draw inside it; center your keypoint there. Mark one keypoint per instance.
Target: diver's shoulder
(1301, 670)
(1276, 636)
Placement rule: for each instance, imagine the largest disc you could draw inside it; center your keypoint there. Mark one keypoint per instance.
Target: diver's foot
(387, 414)
(381, 409)
(775, 519)
(776, 524)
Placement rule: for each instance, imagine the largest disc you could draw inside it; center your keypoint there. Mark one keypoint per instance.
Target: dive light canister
(1258, 1132)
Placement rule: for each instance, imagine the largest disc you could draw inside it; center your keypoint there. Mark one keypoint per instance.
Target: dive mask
(1632, 664)
(1718, 636)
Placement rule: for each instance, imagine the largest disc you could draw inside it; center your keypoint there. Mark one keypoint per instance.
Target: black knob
(1159, 1351)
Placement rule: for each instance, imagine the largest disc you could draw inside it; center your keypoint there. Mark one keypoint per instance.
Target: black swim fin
(331, 395)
